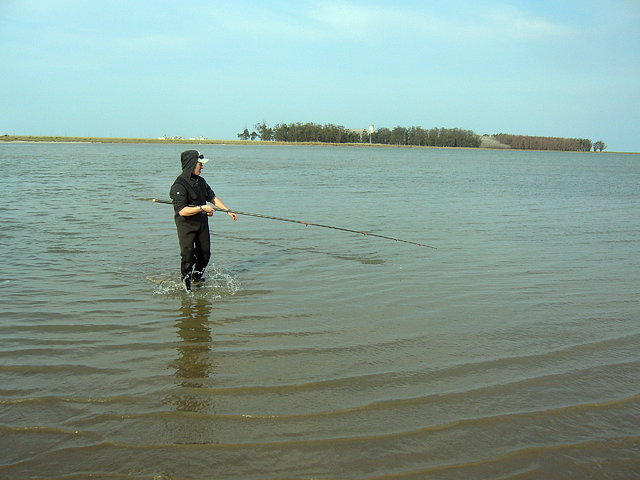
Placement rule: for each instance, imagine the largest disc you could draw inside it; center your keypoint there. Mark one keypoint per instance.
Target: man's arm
(220, 205)
(195, 210)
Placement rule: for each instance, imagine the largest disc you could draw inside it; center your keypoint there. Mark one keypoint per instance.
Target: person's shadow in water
(194, 365)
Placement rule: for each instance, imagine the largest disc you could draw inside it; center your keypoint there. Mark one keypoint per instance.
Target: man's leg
(202, 252)
(186, 238)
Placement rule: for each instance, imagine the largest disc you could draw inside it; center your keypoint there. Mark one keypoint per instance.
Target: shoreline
(195, 141)
(184, 141)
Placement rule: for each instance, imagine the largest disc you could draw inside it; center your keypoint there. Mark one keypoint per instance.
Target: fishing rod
(268, 217)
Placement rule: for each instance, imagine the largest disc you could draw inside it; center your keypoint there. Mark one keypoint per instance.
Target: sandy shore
(487, 142)
(57, 139)
(38, 139)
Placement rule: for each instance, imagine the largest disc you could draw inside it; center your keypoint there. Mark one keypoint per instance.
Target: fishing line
(269, 217)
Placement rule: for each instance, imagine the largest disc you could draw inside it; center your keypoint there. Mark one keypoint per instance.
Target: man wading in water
(190, 194)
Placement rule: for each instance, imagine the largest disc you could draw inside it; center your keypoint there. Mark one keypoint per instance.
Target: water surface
(511, 351)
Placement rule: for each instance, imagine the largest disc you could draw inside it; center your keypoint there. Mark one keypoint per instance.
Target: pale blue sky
(142, 68)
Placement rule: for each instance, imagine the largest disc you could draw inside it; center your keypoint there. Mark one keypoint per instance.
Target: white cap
(201, 158)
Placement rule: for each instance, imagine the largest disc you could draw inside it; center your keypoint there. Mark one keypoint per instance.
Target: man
(190, 194)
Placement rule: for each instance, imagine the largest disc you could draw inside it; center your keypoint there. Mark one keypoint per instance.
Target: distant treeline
(410, 136)
(312, 132)
(524, 142)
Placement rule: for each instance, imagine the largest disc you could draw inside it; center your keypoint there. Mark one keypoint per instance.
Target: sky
(143, 68)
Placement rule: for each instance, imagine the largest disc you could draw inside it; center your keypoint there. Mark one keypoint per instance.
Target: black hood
(188, 159)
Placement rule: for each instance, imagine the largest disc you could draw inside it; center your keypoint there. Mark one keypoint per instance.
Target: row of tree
(433, 137)
(414, 136)
(525, 142)
(312, 132)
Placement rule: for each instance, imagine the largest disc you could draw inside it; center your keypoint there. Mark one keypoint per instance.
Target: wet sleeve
(179, 196)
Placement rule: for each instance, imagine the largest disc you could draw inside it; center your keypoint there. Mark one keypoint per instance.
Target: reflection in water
(194, 363)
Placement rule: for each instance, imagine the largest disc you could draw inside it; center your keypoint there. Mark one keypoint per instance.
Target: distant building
(176, 137)
(359, 131)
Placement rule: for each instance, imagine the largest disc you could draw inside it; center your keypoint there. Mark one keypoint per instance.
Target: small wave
(49, 369)
(7, 429)
(52, 399)
(526, 462)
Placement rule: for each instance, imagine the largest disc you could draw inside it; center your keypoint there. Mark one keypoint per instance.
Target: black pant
(195, 246)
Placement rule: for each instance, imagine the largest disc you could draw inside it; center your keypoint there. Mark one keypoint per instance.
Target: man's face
(197, 169)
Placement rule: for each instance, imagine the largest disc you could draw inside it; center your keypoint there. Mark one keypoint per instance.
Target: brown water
(511, 352)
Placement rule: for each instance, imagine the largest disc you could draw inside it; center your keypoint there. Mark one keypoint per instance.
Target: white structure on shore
(167, 137)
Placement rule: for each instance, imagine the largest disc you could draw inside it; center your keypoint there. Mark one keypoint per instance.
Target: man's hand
(208, 209)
